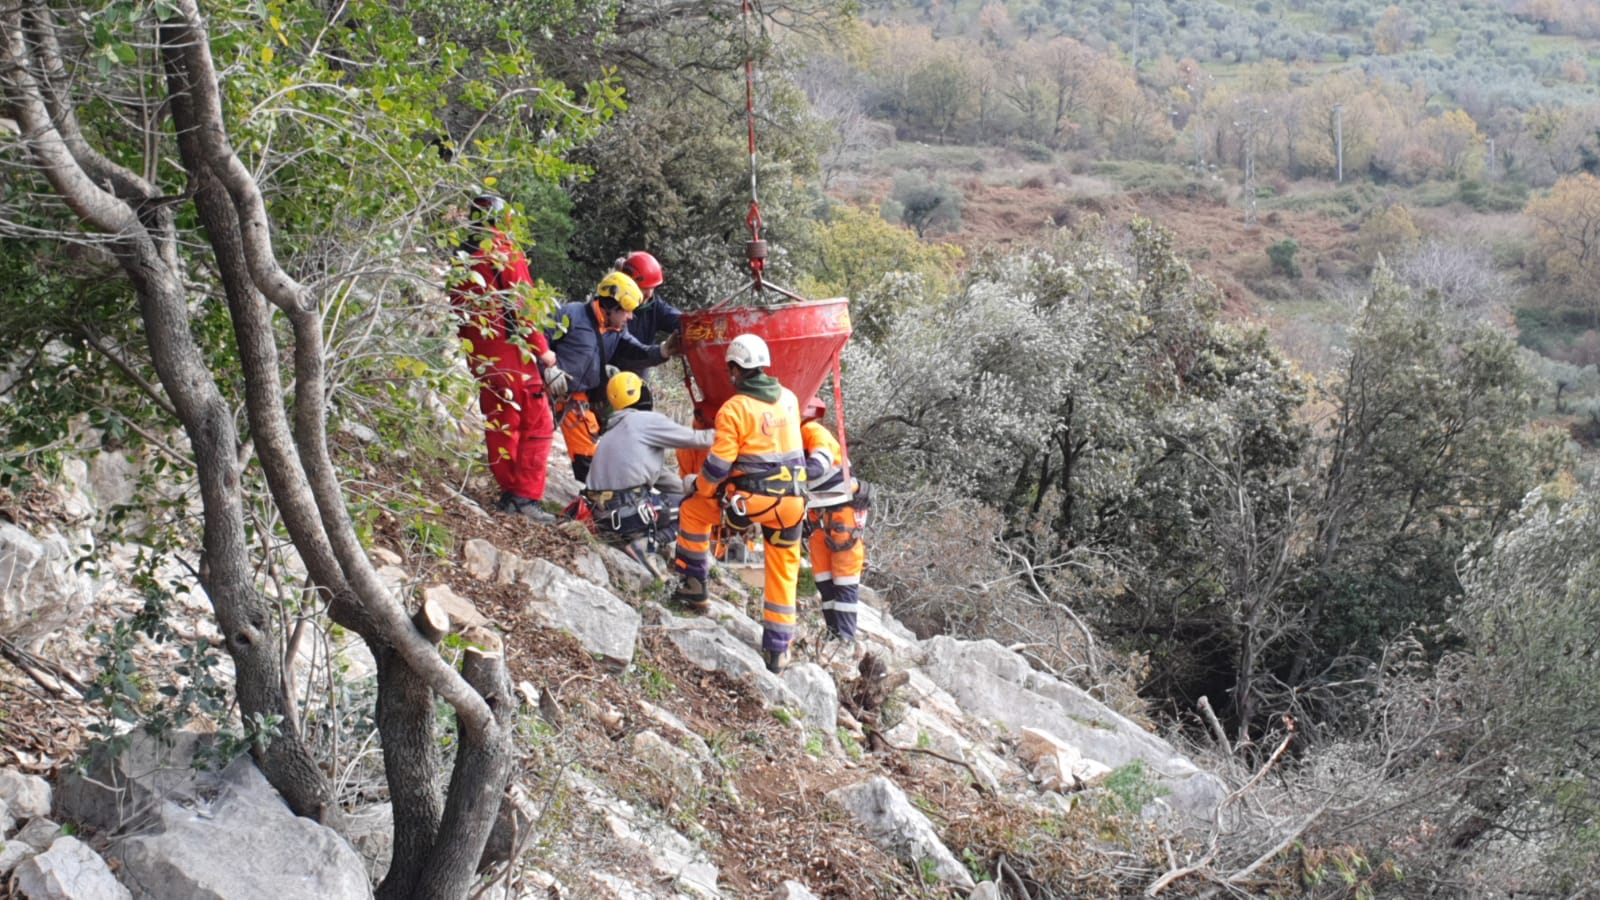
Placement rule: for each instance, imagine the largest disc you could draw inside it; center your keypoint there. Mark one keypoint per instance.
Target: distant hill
(1479, 53)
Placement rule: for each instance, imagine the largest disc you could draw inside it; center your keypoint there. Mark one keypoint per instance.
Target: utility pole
(1338, 141)
(1135, 35)
(1489, 174)
(1250, 126)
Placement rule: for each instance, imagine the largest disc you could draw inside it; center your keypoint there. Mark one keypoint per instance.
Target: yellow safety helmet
(621, 290)
(624, 390)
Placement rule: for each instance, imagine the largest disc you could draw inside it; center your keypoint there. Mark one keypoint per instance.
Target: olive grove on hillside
(227, 209)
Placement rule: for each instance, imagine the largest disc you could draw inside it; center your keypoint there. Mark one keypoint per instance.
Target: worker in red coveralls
(492, 296)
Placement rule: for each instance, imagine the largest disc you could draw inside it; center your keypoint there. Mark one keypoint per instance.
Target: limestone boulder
(990, 682)
(69, 870)
(240, 843)
(41, 588)
(462, 612)
(817, 694)
(114, 789)
(711, 647)
(881, 807)
(25, 796)
(602, 623)
(674, 859)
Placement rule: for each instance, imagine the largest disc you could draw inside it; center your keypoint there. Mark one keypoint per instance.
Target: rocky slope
(660, 758)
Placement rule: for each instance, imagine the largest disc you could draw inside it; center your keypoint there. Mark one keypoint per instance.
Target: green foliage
(975, 865)
(657, 684)
(125, 696)
(1099, 405)
(1531, 624)
(1158, 179)
(430, 536)
(924, 205)
(1347, 200)
(1132, 788)
(1429, 456)
(851, 746)
(883, 268)
(1283, 259)
(673, 172)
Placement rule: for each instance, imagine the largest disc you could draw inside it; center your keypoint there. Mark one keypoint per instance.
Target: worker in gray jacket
(631, 493)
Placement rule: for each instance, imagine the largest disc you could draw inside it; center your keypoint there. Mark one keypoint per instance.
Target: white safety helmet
(749, 352)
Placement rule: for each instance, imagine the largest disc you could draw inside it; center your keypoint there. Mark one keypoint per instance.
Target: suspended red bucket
(805, 339)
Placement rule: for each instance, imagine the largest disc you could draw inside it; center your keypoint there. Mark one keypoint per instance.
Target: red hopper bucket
(805, 340)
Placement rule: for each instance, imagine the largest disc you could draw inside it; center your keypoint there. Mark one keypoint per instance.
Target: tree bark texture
(477, 783)
(144, 245)
(411, 763)
(438, 842)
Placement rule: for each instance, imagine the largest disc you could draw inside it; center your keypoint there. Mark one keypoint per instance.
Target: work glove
(689, 482)
(557, 383)
(670, 346)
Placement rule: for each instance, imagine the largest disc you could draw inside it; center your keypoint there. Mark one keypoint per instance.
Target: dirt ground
(769, 823)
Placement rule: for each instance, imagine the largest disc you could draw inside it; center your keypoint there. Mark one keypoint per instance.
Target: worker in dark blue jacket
(588, 336)
(655, 317)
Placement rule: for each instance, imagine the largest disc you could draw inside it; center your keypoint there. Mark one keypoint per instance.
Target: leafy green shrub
(1158, 179)
(1032, 151)
(1432, 194)
(1339, 201)
(1131, 785)
(1283, 259)
(926, 205)
(1496, 196)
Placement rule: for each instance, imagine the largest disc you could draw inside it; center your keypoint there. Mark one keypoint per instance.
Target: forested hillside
(1235, 363)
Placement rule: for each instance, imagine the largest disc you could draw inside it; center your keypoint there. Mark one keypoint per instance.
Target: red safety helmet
(487, 207)
(643, 268)
(815, 409)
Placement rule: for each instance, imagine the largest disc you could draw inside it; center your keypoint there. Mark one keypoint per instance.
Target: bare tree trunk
(410, 761)
(477, 783)
(144, 246)
(439, 842)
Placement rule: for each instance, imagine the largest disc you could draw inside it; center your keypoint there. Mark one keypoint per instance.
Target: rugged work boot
(691, 595)
(524, 507)
(776, 660)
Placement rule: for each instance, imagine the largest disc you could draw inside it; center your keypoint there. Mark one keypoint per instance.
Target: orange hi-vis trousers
(579, 428)
(780, 519)
(837, 557)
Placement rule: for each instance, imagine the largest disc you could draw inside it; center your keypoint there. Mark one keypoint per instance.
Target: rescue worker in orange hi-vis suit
(490, 292)
(756, 472)
(835, 519)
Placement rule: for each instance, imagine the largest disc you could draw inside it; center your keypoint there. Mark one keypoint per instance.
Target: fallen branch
(976, 781)
(57, 679)
(1204, 863)
(1282, 845)
(1216, 727)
